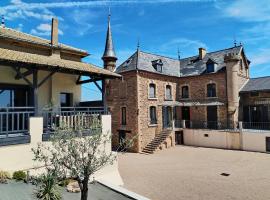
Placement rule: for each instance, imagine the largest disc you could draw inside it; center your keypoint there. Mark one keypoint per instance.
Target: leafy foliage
(19, 175)
(48, 188)
(4, 176)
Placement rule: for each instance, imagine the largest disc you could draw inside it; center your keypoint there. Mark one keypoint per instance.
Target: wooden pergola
(32, 63)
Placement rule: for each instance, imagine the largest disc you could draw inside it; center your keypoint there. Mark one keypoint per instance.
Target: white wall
(20, 157)
(215, 139)
(254, 141)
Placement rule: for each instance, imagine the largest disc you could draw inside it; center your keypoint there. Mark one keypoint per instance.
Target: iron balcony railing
(215, 125)
(256, 125)
(71, 117)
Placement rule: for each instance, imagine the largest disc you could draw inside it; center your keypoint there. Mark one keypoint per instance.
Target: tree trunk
(84, 191)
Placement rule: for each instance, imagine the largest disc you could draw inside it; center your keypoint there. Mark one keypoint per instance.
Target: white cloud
(248, 10)
(20, 27)
(187, 46)
(44, 30)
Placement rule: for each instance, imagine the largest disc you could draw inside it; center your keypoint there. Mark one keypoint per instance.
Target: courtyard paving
(191, 173)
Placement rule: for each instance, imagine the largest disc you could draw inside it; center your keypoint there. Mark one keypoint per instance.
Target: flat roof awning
(193, 103)
(52, 63)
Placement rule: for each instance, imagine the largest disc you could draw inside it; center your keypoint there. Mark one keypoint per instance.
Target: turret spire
(109, 49)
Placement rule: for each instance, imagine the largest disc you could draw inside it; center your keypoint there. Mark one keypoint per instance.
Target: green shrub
(4, 176)
(19, 175)
(48, 188)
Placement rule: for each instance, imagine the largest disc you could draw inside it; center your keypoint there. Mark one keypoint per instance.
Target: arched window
(152, 90)
(185, 92)
(153, 115)
(168, 94)
(211, 90)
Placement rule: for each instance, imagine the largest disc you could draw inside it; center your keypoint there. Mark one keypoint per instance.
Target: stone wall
(123, 93)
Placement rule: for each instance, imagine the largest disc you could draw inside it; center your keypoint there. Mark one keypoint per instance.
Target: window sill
(212, 97)
(168, 99)
(152, 125)
(152, 98)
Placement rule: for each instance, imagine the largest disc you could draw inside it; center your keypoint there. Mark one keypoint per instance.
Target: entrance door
(179, 138)
(167, 117)
(122, 139)
(186, 115)
(212, 118)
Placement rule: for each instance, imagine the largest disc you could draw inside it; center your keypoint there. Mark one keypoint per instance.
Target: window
(153, 115)
(152, 90)
(14, 96)
(124, 116)
(241, 65)
(185, 92)
(210, 67)
(211, 90)
(66, 99)
(168, 94)
(157, 64)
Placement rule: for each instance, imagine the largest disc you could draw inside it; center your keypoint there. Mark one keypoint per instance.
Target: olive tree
(77, 153)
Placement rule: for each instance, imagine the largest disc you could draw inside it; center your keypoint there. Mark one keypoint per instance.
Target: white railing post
(184, 123)
(36, 129)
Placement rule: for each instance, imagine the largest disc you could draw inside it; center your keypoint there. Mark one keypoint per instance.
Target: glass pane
(5, 98)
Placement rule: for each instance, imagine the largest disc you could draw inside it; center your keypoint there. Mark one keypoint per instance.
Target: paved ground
(22, 191)
(191, 173)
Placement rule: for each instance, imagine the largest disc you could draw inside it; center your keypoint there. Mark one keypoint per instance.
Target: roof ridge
(190, 56)
(40, 38)
(261, 77)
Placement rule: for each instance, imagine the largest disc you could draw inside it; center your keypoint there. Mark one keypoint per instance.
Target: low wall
(212, 138)
(20, 157)
(254, 141)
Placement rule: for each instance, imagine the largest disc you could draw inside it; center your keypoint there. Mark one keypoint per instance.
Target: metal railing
(256, 125)
(71, 117)
(178, 123)
(14, 120)
(215, 125)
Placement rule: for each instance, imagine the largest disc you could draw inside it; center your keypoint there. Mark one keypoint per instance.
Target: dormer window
(210, 66)
(157, 64)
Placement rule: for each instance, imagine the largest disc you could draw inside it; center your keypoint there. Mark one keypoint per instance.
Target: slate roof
(257, 84)
(24, 37)
(52, 62)
(186, 67)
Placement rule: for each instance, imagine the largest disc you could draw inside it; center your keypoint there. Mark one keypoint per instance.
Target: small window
(210, 67)
(153, 115)
(66, 99)
(152, 90)
(168, 95)
(185, 92)
(124, 116)
(157, 64)
(211, 90)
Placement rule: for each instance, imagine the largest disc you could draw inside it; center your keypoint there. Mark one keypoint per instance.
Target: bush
(48, 188)
(4, 176)
(19, 175)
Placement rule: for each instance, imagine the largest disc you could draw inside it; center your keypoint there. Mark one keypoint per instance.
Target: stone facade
(132, 92)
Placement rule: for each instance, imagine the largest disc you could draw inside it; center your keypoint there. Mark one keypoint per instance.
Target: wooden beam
(18, 70)
(46, 78)
(27, 73)
(78, 79)
(35, 91)
(88, 81)
(100, 89)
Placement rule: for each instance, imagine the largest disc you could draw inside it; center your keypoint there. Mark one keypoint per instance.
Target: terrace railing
(71, 117)
(256, 125)
(215, 125)
(14, 122)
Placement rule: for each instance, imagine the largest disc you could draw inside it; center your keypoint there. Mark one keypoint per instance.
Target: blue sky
(162, 26)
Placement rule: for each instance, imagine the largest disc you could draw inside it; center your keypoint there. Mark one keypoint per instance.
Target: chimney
(54, 33)
(202, 53)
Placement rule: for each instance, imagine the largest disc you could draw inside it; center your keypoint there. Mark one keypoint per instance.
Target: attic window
(210, 66)
(127, 62)
(157, 64)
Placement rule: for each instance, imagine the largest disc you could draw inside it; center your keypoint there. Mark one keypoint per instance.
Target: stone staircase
(151, 147)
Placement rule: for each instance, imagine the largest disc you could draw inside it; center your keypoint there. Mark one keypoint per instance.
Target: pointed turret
(109, 57)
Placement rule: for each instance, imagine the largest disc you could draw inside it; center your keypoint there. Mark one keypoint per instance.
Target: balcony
(15, 122)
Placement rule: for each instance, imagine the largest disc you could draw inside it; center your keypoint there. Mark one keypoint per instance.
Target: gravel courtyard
(191, 173)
